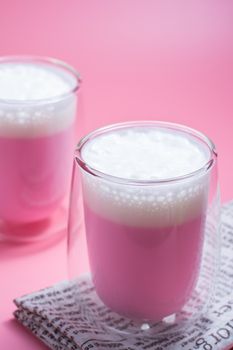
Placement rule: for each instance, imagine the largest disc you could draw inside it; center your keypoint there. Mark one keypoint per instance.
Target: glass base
(51, 228)
(103, 318)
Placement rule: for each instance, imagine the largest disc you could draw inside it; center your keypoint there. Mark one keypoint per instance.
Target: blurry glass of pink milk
(37, 115)
(147, 188)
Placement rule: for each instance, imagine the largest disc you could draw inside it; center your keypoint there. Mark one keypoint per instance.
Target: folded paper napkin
(68, 316)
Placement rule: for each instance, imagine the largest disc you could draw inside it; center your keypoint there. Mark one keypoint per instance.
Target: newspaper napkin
(58, 315)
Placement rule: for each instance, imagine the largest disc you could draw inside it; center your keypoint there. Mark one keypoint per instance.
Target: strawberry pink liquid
(35, 175)
(144, 273)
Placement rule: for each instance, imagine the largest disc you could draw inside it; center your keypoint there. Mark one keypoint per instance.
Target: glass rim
(162, 124)
(43, 60)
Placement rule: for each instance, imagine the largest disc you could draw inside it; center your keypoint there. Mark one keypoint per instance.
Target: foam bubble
(29, 99)
(146, 154)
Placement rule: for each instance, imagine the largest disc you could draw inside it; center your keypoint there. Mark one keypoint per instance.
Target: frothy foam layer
(25, 90)
(26, 81)
(146, 154)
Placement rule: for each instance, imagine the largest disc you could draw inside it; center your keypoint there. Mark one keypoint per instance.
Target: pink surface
(146, 59)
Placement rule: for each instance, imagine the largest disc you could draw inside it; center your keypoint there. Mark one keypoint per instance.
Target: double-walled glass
(38, 100)
(149, 249)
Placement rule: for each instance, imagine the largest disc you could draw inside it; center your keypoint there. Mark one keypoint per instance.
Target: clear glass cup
(36, 144)
(150, 266)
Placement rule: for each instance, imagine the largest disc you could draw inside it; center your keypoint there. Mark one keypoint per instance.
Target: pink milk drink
(145, 192)
(37, 115)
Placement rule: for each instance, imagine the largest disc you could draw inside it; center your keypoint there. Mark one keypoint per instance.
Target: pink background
(139, 59)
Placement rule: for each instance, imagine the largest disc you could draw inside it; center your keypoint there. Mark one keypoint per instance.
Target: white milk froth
(30, 103)
(149, 154)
